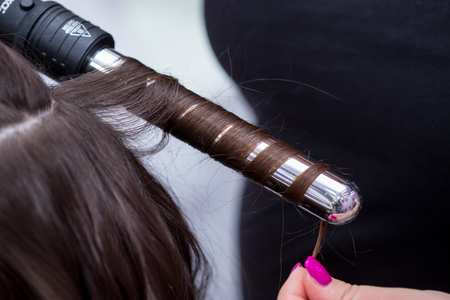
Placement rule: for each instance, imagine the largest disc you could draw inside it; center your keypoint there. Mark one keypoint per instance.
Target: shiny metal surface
(104, 60)
(187, 111)
(222, 133)
(332, 200)
(329, 198)
(261, 146)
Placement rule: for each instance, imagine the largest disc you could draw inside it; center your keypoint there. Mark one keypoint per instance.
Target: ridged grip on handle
(52, 36)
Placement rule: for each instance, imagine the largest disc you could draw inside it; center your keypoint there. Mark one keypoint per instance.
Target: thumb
(293, 288)
(318, 285)
(309, 283)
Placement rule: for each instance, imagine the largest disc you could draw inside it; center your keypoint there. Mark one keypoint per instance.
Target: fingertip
(296, 266)
(317, 271)
(293, 288)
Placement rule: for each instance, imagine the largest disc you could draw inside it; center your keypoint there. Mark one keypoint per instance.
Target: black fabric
(363, 85)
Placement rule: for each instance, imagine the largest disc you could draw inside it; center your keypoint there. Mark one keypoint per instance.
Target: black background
(380, 106)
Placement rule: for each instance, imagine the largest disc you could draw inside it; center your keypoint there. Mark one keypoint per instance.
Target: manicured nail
(331, 218)
(296, 266)
(317, 271)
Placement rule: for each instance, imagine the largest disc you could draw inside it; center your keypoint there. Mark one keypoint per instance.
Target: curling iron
(66, 45)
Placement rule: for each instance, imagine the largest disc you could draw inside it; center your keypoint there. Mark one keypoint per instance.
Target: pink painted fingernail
(317, 271)
(331, 218)
(296, 266)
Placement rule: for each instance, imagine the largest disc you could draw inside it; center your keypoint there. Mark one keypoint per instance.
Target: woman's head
(80, 217)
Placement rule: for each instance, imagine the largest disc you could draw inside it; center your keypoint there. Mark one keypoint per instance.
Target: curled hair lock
(238, 144)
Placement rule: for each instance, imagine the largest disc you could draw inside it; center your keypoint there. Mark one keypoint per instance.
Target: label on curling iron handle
(76, 28)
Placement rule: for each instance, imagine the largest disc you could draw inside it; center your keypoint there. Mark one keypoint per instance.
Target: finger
(293, 288)
(318, 285)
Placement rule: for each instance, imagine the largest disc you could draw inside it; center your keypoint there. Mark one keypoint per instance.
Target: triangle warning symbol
(80, 30)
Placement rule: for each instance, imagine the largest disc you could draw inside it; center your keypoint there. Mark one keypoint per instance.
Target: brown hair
(80, 217)
(161, 101)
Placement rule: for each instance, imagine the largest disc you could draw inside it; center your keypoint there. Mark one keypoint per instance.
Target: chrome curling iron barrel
(66, 45)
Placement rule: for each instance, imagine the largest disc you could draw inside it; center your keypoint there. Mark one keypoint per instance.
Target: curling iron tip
(347, 207)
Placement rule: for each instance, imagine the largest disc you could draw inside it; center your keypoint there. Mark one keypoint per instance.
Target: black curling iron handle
(51, 36)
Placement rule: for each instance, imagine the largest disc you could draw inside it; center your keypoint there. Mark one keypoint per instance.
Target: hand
(314, 283)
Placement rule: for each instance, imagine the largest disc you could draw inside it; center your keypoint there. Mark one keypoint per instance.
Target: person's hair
(80, 216)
